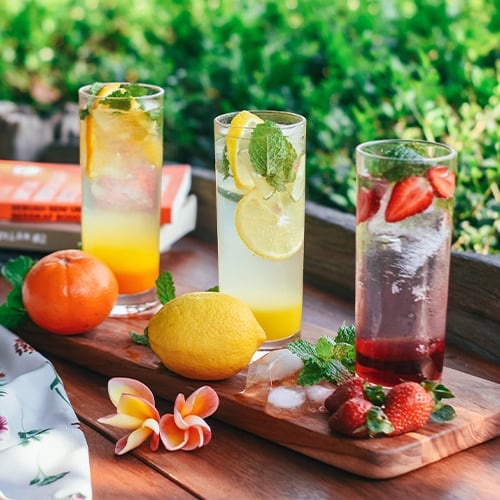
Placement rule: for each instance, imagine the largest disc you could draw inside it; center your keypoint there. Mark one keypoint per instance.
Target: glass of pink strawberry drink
(403, 234)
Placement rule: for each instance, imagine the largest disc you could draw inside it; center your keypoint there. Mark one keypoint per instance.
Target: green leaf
(443, 413)
(213, 289)
(346, 334)
(272, 155)
(335, 371)
(311, 374)
(327, 360)
(139, 338)
(303, 349)
(375, 394)
(377, 421)
(11, 317)
(165, 288)
(15, 270)
(325, 348)
(12, 312)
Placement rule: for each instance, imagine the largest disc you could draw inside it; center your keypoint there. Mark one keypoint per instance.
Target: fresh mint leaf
(272, 155)
(324, 348)
(15, 270)
(311, 374)
(335, 371)
(13, 312)
(411, 162)
(213, 289)
(326, 360)
(303, 349)
(165, 288)
(12, 317)
(135, 90)
(139, 338)
(118, 100)
(346, 334)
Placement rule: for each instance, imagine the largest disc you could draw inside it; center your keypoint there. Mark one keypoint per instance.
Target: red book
(51, 192)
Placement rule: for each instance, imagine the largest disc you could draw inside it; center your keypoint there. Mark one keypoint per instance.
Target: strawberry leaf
(443, 413)
(377, 421)
(375, 394)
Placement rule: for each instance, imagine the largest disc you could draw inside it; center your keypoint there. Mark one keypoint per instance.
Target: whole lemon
(205, 335)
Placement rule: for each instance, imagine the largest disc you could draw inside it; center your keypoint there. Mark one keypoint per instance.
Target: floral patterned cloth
(43, 452)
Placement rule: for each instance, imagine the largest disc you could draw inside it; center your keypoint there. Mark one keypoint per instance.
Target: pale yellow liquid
(273, 289)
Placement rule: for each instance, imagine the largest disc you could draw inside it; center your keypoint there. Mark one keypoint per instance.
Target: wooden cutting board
(108, 350)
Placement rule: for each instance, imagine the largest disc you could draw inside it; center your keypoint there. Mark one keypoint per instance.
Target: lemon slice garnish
(237, 143)
(272, 228)
(108, 129)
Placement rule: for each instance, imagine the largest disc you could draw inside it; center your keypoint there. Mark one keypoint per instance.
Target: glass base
(136, 304)
(272, 345)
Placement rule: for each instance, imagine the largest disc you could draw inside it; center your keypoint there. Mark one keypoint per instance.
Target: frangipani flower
(186, 429)
(135, 411)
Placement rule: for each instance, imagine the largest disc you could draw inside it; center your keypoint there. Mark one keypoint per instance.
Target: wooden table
(239, 465)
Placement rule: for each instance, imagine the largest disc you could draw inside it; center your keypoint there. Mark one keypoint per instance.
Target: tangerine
(69, 292)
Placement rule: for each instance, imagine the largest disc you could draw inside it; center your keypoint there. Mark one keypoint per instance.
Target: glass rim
(363, 149)
(157, 90)
(224, 120)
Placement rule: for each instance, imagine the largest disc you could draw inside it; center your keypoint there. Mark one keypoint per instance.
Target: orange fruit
(69, 292)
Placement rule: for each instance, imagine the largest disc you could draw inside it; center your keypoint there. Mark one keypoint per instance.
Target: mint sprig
(402, 160)
(272, 155)
(12, 312)
(329, 359)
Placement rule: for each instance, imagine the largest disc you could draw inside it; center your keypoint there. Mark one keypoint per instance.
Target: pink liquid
(387, 362)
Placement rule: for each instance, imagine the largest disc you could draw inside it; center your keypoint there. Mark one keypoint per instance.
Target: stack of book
(40, 205)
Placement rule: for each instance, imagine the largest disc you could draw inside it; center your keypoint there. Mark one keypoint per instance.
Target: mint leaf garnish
(327, 360)
(165, 288)
(13, 312)
(412, 157)
(272, 155)
(139, 338)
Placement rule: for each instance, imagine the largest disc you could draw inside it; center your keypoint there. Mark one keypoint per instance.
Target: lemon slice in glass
(237, 143)
(272, 228)
(109, 129)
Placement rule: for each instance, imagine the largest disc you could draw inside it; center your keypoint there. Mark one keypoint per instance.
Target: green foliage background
(357, 69)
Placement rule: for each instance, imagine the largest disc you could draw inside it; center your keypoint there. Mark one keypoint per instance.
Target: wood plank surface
(240, 465)
(109, 350)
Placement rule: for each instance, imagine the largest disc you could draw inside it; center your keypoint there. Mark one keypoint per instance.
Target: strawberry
(367, 204)
(358, 417)
(350, 418)
(408, 407)
(352, 388)
(409, 197)
(443, 181)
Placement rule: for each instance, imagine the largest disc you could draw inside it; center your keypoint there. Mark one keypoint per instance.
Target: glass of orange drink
(260, 174)
(121, 157)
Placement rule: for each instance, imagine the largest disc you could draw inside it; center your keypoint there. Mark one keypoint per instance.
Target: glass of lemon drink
(121, 156)
(260, 173)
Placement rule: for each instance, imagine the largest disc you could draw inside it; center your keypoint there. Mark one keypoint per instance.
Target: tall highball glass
(121, 156)
(260, 167)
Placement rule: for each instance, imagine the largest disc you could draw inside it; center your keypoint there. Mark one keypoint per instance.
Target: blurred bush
(357, 69)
